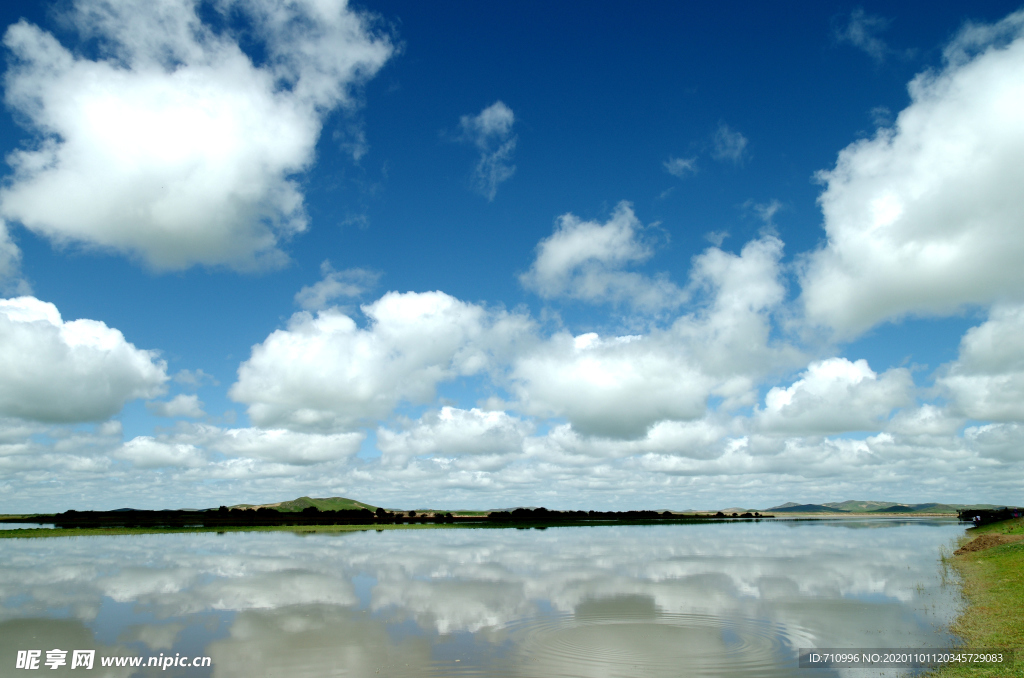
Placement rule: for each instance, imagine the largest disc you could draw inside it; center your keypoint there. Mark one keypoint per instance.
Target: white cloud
(1004, 442)
(174, 147)
(494, 121)
(179, 406)
(728, 144)
(194, 378)
(491, 132)
(584, 260)
(698, 439)
(192, 446)
(324, 372)
(147, 452)
(352, 282)
(615, 387)
(112, 428)
(986, 381)
(731, 334)
(766, 211)
(80, 370)
(681, 167)
(453, 432)
(862, 31)
(835, 396)
(884, 462)
(278, 445)
(716, 238)
(925, 421)
(881, 116)
(621, 386)
(11, 281)
(924, 217)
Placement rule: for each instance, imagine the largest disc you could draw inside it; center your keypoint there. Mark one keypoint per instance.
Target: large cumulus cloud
(986, 382)
(586, 260)
(620, 386)
(924, 217)
(834, 396)
(59, 371)
(454, 432)
(324, 372)
(173, 145)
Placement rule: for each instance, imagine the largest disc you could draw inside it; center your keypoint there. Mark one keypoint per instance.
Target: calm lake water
(669, 600)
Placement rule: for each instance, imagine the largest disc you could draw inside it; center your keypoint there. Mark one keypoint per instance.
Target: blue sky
(476, 256)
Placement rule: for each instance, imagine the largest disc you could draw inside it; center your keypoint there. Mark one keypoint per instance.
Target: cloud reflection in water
(565, 601)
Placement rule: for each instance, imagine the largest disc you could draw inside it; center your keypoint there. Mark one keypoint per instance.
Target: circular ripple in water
(664, 645)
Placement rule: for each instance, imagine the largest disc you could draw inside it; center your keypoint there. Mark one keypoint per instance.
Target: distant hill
(853, 506)
(850, 506)
(324, 504)
(916, 508)
(805, 508)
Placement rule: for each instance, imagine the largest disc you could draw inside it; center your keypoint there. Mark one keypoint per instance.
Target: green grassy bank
(991, 564)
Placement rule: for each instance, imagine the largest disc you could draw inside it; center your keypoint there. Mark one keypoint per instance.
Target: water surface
(666, 600)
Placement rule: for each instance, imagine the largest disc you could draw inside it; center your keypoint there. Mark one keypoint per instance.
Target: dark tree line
(235, 517)
(987, 516)
(223, 517)
(544, 516)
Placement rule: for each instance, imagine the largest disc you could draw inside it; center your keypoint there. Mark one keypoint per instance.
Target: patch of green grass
(993, 582)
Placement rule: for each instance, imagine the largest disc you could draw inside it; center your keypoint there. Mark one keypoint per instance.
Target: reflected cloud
(562, 600)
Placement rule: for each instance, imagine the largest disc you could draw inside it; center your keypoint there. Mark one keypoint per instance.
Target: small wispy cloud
(729, 144)
(766, 211)
(716, 238)
(179, 406)
(491, 132)
(353, 282)
(681, 167)
(11, 280)
(352, 140)
(195, 378)
(862, 31)
(881, 116)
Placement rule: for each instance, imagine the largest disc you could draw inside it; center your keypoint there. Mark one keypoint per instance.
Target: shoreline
(992, 581)
(53, 533)
(47, 532)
